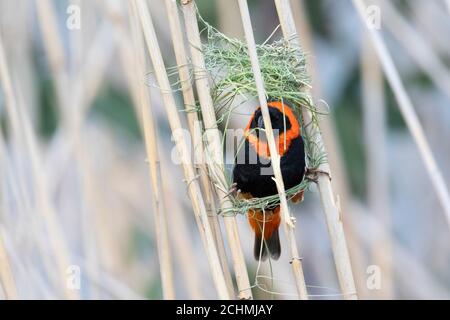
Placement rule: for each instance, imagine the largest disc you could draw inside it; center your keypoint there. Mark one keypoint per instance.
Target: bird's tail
(270, 246)
(266, 227)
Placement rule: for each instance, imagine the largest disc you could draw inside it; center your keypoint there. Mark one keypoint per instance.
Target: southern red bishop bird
(252, 174)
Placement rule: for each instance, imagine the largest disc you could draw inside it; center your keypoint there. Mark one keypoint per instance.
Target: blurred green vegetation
(347, 115)
(112, 104)
(3, 123)
(142, 245)
(115, 106)
(48, 116)
(348, 118)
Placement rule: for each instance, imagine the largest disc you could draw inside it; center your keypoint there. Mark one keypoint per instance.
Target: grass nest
(284, 70)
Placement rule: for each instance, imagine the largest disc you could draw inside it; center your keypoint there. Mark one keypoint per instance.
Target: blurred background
(74, 178)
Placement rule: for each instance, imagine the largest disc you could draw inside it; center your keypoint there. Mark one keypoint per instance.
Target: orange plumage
(267, 222)
(254, 178)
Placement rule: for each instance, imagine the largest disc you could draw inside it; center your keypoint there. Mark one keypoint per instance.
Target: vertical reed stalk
(275, 157)
(142, 101)
(447, 4)
(184, 244)
(195, 130)
(214, 152)
(183, 151)
(406, 266)
(133, 64)
(6, 276)
(330, 208)
(159, 211)
(426, 58)
(334, 153)
(18, 117)
(21, 198)
(409, 114)
(374, 110)
(55, 52)
(70, 97)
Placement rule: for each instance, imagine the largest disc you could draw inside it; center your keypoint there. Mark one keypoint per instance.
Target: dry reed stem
(84, 84)
(76, 105)
(327, 127)
(134, 64)
(139, 45)
(6, 276)
(447, 3)
(195, 130)
(406, 266)
(334, 153)
(426, 58)
(430, 20)
(55, 52)
(329, 205)
(74, 101)
(21, 123)
(183, 151)
(19, 45)
(22, 199)
(73, 107)
(409, 114)
(275, 157)
(214, 152)
(90, 76)
(181, 237)
(375, 129)
(159, 212)
(92, 72)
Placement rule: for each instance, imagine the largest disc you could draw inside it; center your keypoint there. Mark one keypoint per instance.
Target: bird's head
(280, 122)
(285, 126)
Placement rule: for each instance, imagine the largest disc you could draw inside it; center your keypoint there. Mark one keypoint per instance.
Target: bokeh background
(78, 154)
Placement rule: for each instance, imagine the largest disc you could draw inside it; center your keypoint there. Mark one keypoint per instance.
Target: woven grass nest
(286, 79)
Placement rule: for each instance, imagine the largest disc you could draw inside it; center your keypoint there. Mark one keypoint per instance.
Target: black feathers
(270, 246)
(253, 174)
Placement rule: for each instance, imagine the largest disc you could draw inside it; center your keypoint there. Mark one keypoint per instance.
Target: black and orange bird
(252, 174)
